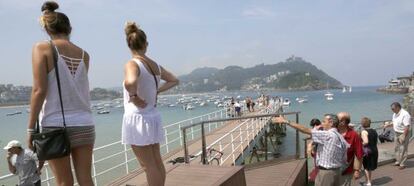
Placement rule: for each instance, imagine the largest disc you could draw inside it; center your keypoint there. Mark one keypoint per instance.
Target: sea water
(363, 101)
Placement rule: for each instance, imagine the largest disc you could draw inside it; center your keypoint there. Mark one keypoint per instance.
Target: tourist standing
(401, 121)
(142, 126)
(354, 152)
(72, 65)
(311, 149)
(248, 104)
(369, 139)
(237, 108)
(24, 164)
(331, 150)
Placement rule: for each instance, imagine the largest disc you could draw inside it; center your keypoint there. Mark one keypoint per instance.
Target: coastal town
(401, 85)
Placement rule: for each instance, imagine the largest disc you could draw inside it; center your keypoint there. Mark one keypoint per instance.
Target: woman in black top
(369, 140)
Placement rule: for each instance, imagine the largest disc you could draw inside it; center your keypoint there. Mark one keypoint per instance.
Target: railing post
(232, 147)
(192, 130)
(203, 143)
(166, 141)
(181, 136)
(215, 116)
(94, 169)
(241, 141)
(306, 158)
(186, 158)
(209, 124)
(221, 150)
(265, 135)
(126, 159)
(47, 177)
(297, 139)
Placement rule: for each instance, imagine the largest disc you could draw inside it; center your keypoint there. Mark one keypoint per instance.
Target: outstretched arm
(297, 126)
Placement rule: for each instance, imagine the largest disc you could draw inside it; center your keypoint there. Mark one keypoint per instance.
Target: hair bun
(50, 6)
(131, 27)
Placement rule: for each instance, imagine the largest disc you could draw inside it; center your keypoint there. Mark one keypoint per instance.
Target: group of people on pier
(340, 152)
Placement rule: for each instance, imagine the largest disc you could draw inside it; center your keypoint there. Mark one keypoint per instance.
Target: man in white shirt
(401, 121)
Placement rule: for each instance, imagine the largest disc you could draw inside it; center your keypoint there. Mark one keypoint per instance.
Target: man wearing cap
(24, 164)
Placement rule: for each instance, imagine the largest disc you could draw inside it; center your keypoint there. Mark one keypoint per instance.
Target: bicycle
(213, 157)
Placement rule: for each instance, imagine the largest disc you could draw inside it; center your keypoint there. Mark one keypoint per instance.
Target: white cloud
(258, 12)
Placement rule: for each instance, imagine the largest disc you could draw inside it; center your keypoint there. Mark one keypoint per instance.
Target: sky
(358, 42)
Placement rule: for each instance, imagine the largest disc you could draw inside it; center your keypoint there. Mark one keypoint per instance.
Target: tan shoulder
(131, 65)
(41, 46)
(86, 56)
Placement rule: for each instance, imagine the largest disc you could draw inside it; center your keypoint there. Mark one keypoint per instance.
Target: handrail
(203, 140)
(218, 113)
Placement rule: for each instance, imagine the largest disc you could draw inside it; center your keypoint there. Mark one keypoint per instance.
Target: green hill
(292, 74)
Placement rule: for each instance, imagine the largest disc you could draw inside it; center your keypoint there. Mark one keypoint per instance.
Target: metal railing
(170, 131)
(251, 126)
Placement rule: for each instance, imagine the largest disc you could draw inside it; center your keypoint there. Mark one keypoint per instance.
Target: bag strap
(156, 82)
(55, 59)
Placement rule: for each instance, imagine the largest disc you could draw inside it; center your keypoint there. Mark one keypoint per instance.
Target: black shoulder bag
(52, 144)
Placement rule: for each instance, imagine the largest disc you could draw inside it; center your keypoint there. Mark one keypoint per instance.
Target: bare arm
(12, 168)
(40, 84)
(297, 126)
(86, 61)
(170, 80)
(364, 136)
(130, 81)
(387, 124)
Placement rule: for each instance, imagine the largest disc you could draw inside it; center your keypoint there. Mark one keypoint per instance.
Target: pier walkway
(232, 139)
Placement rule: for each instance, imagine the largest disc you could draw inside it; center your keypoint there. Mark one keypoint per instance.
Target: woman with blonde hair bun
(142, 126)
(71, 104)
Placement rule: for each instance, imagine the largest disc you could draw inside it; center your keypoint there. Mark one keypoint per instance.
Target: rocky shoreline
(408, 100)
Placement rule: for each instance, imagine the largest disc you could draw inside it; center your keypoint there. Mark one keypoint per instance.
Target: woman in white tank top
(73, 64)
(142, 126)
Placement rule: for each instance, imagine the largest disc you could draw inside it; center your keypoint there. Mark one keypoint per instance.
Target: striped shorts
(78, 136)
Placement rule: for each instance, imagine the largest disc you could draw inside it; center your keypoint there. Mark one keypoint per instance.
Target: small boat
(329, 98)
(13, 113)
(350, 89)
(286, 103)
(220, 105)
(301, 100)
(171, 105)
(343, 89)
(329, 94)
(103, 112)
(189, 107)
(202, 104)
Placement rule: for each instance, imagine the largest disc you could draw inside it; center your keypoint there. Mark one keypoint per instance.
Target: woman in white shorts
(142, 126)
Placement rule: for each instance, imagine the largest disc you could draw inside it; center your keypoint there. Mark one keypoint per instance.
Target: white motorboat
(103, 112)
(286, 103)
(301, 100)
